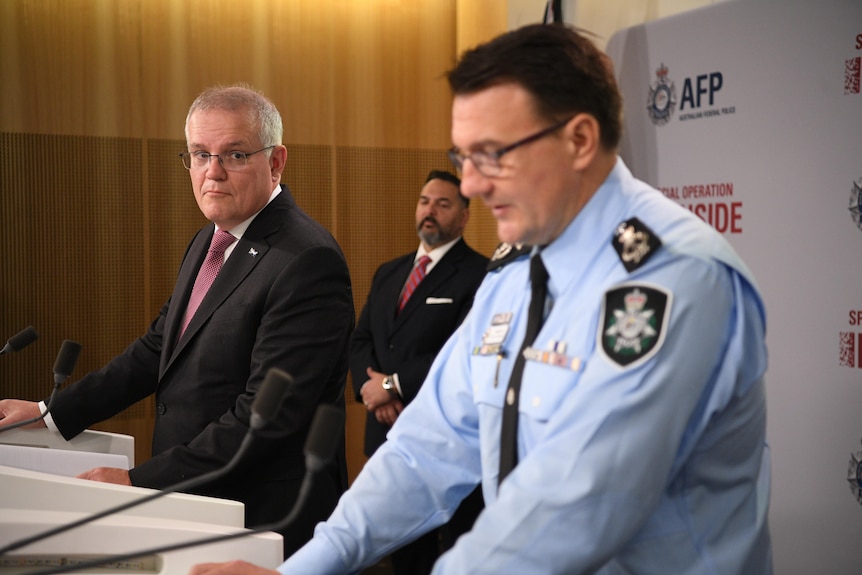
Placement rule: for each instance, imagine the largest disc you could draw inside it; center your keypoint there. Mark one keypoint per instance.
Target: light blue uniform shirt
(653, 468)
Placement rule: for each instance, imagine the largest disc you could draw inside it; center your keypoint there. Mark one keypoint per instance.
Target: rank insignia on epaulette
(635, 243)
(506, 253)
(633, 323)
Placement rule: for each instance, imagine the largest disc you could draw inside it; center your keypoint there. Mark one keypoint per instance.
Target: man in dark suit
(282, 298)
(396, 341)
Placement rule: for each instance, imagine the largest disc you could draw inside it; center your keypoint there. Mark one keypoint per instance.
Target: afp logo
(703, 85)
(661, 101)
(699, 99)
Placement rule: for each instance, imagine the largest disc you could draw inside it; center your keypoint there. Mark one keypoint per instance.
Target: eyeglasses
(229, 161)
(488, 162)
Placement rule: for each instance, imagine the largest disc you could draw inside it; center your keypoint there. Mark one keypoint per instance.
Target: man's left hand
(387, 414)
(107, 475)
(372, 392)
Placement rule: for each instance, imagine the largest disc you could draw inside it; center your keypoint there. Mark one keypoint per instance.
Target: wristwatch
(389, 386)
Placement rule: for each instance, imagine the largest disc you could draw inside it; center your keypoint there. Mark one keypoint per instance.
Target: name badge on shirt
(495, 335)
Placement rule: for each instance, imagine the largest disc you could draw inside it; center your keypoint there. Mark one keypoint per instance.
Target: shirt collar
(436, 254)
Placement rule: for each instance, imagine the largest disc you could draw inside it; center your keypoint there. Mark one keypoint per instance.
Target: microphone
(67, 357)
(20, 340)
(65, 362)
(327, 428)
(265, 405)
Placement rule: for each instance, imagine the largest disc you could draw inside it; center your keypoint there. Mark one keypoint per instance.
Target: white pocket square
(437, 300)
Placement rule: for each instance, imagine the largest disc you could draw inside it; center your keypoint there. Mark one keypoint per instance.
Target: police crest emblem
(856, 203)
(632, 328)
(661, 101)
(854, 475)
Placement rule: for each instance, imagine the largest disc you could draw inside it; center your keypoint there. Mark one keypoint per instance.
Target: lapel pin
(253, 252)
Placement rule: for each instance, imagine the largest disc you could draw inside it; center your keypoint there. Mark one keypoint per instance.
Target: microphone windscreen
(24, 338)
(271, 392)
(327, 429)
(67, 358)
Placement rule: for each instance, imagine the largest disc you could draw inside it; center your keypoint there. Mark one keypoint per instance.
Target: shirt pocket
(544, 387)
(488, 390)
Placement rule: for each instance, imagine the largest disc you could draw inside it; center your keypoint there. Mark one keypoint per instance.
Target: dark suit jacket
(282, 299)
(407, 343)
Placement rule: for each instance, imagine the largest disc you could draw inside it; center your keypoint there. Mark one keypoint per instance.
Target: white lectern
(33, 501)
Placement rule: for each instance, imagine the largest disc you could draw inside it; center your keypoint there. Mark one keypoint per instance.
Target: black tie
(535, 318)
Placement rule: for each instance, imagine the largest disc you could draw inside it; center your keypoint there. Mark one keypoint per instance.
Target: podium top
(88, 440)
(34, 490)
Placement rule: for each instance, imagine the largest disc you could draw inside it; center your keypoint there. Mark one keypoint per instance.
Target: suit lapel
(390, 289)
(248, 252)
(245, 256)
(439, 275)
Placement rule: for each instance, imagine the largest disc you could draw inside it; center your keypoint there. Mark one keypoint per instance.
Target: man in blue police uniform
(607, 386)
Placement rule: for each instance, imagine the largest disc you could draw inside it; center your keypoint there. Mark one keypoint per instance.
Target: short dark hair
(563, 70)
(452, 179)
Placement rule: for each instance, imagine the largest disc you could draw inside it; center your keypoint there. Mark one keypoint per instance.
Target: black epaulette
(506, 253)
(635, 243)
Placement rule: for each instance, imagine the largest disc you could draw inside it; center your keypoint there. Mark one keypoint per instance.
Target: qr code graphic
(847, 350)
(852, 75)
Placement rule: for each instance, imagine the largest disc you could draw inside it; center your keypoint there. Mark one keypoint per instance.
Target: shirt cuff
(49, 421)
(397, 383)
(317, 557)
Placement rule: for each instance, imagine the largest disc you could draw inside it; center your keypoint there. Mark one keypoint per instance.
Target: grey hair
(239, 97)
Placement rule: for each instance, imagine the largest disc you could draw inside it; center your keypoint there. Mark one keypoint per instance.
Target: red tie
(416, 276)
(207, 274)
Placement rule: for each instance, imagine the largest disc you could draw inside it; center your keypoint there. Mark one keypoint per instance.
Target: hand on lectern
(230, 568)
(107, 475)
(15, 410)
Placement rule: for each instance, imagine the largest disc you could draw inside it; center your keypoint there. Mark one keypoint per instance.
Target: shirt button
(161, 408)
(537, 401)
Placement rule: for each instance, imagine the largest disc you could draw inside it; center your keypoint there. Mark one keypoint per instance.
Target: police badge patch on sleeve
(633, 321)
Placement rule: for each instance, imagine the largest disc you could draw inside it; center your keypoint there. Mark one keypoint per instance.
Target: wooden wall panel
(389, 66)
(70, 67)
(71, 247)
(309, 175)
(480, 20)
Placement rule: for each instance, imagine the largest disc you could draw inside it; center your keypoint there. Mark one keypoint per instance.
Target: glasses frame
(186, 158)
(457, 157)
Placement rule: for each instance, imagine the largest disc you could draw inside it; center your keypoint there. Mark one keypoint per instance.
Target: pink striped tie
(416, 276)
(207, 274)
